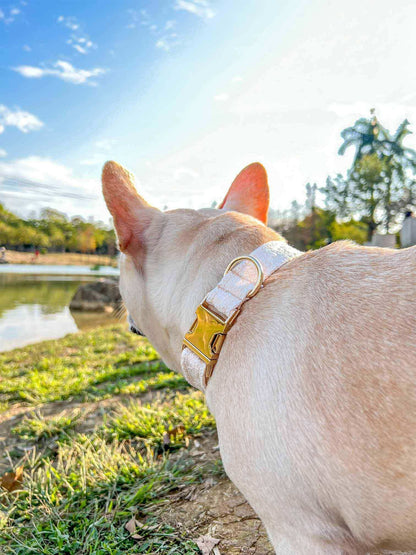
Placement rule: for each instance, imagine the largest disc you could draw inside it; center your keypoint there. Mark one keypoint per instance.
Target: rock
(99, 296)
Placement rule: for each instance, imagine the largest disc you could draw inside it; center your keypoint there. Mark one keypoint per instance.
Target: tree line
(54, 231)
(375, 195)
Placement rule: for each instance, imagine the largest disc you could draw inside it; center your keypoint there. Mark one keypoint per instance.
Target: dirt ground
(217, 509)
(65, 258)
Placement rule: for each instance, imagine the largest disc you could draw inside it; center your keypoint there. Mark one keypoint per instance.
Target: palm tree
(397, 164)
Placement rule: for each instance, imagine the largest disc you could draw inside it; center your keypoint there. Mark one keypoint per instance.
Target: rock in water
(99, 296)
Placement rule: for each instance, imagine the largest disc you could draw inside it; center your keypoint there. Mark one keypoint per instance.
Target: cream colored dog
(314, 392)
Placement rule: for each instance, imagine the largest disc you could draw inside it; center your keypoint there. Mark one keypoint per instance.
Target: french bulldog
(314, 391)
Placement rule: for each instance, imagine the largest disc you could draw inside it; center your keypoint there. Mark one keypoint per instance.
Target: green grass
(83, 366)
(150, 422)
(40, 427)
(80, 489)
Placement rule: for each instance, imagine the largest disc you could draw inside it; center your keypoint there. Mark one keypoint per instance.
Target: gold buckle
(207, 334)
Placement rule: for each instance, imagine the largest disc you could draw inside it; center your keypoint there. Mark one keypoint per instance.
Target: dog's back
(327, 353)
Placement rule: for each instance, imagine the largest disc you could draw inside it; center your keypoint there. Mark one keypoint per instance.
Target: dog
(314, 390)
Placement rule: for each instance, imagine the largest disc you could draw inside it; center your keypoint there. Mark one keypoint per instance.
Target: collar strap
(217, 313)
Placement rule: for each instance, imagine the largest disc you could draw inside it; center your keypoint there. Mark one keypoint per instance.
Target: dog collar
(217, 313)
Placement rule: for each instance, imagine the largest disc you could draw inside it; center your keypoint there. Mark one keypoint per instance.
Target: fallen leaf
(11, 481)
(172, 435)
(131, 525)
(206, 544)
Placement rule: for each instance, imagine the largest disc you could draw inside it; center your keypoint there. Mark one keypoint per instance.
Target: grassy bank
(64, 258)
(106, 451)
(90, 467)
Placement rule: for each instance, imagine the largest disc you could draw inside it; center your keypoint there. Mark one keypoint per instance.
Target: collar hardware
(217, 313)
(207, 334)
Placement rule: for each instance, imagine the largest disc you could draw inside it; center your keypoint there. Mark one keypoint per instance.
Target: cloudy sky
(185, 93)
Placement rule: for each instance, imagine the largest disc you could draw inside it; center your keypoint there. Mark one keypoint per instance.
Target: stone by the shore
(99, 296)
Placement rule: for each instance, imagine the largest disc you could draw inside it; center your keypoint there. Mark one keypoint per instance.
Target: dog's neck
(204, 271)
(242, 280)
(179, 276)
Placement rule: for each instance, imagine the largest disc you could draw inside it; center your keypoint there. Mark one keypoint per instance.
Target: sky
(185, 93)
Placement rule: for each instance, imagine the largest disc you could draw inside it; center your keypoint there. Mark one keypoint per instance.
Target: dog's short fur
(314, 393)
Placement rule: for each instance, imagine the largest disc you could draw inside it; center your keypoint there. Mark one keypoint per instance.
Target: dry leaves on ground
(11, 481)
(207, 544)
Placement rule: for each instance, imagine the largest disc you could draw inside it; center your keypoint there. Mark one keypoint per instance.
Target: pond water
(35, 307)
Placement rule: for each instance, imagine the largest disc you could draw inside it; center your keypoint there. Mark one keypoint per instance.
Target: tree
(379, 186)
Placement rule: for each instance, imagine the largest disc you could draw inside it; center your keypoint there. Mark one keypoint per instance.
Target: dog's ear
(131, 214)
(249, 193)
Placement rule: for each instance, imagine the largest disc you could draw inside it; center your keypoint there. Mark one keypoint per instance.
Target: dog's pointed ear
(249, 193)
(131, 214)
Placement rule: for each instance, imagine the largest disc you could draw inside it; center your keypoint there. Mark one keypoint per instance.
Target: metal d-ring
(260, 273)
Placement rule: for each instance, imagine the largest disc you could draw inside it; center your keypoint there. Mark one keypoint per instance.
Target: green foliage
(380, 186)
(319, 228)
(351, 229)
(53, 230)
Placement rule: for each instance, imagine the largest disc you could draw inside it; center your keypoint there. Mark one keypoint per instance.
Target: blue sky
(185, 93)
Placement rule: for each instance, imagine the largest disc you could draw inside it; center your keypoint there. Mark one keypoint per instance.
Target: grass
(83, 366)
(39, 427)
(81, 487)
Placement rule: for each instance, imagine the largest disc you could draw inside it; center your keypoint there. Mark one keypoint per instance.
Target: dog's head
(170, 260)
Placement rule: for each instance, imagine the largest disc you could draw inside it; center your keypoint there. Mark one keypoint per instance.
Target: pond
(35, 307)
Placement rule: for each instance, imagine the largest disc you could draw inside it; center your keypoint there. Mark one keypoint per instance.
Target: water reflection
(34, 308)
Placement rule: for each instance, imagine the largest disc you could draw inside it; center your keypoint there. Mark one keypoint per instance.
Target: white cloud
(104, 144)
(63, 70)
(3, 153)
(24, 121)
(101, 148)
(9, 17)
(34, 182)
(200, 8)
(83, 45)
(26, 48)
(166, 39)
(95, 160)
(78, 40)
(170, 24)
(69, 22)
(222, 97)
(167, 42)
(140, 17)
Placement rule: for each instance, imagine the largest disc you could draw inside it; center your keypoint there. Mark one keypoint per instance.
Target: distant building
(386, 240)
(408, 231)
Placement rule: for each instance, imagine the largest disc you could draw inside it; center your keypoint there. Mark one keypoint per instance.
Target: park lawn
(96, 433)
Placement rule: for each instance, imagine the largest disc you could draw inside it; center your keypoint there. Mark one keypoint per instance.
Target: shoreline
(61, 259)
